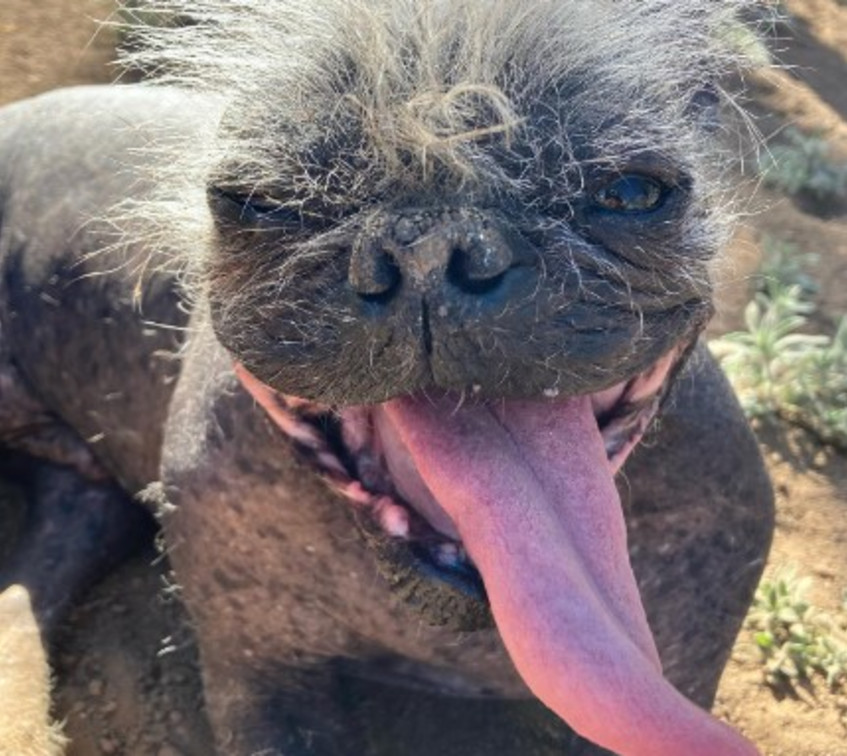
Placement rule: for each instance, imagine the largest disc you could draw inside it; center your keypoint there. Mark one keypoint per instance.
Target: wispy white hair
(406, 93)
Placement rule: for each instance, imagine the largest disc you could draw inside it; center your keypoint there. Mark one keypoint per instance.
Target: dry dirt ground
(126, 665)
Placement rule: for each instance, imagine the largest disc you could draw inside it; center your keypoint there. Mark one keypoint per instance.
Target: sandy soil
(810, 482)
(53, 43)
(128, 677)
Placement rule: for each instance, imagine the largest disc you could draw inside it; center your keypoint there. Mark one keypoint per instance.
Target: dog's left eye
(630, 194)
(251, 209)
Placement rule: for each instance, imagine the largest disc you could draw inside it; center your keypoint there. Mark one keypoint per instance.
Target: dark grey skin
(305, 648)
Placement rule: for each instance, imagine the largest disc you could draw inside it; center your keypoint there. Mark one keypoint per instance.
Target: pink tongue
(531, 492)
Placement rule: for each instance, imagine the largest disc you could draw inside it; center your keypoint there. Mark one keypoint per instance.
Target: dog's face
(459, 251)
(481, 229)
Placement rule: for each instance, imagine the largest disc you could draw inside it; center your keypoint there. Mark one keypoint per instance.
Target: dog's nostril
(458, 276)
(479, 268)
(483, 260)
(373, 273)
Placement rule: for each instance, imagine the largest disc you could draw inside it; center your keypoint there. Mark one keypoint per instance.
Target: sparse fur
(409, 95)
(335, 110)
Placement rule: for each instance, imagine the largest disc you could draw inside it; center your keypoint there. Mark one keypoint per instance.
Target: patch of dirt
(811, 534)
(53, 43)
(127, 666)
(810, 481)
(129, 681)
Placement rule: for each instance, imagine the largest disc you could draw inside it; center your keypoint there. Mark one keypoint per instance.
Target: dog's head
(487, 199)
(459, 250)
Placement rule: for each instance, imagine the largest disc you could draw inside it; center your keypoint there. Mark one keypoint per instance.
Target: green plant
(802, 165)
(776, 367)
(795, 639)
(786, 263)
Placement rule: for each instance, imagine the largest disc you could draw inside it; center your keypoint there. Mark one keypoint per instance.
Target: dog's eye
(251, 209)
(630, 194)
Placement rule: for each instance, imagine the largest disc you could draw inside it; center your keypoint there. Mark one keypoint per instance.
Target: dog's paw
(25, 725)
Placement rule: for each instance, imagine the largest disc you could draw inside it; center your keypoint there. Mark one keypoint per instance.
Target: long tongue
(531, 492)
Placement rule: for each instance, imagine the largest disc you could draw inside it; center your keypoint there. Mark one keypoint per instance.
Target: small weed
(802, 166)
(785, 263)
(776, 368)
(795, 639)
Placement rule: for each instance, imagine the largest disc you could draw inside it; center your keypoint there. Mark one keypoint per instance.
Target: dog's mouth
(516, 499)
(361, 453)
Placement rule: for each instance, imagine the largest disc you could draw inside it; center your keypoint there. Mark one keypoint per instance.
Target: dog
(432, 271)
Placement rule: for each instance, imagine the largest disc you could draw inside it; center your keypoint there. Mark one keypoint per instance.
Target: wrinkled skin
(305, 647)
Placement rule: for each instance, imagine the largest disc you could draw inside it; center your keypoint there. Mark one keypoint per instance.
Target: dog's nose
(470, 256)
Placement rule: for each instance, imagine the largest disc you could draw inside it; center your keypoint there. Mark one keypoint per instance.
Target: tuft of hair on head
(432, 75)
(413, 96)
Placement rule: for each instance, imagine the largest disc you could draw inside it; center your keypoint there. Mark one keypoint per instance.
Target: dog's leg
(74, 532)
(78, 522)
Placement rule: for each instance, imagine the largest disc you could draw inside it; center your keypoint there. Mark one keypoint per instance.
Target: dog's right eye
(250, 209)
(630, 193)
